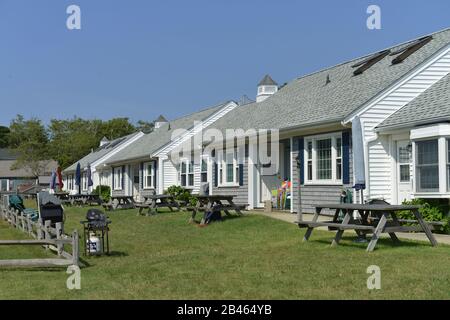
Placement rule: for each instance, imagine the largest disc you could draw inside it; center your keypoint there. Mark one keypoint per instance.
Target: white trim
(166, 149)
(145, 175)
(117, 186)
(222, 165)
(314, 181)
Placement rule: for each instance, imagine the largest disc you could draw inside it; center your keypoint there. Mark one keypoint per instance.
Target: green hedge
(182, 194)
(432, 210)
(105, 192)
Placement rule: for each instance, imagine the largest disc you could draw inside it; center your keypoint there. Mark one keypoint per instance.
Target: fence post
(75, 248)
(60, 246)
(47, 224)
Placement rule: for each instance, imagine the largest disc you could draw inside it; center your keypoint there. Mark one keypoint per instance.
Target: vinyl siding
(380, 175)
(240, 193)
(311, 195)
(170, 174)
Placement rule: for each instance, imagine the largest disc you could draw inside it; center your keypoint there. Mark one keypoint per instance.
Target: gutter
(412, 124)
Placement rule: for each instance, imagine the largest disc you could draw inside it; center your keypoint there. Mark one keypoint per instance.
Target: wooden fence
(43, 234)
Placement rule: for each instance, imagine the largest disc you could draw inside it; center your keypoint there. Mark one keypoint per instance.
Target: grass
(251, 257)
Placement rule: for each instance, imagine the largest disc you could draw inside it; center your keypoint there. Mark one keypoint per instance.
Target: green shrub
(431, 210)
(182, 194)
(104, 192)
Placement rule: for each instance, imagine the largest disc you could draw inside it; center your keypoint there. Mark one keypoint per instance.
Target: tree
(73, 139)
(29, 141)
(145, 126)
(4, 137)
(116, 128)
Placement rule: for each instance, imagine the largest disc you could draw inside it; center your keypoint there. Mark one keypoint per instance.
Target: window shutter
(155, 173)
(123, 177)
(301, 156)
(141, 175)
(346, 157)
(216, 174)
(241, 174)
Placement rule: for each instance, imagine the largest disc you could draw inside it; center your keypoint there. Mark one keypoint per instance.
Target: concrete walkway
(291, 218)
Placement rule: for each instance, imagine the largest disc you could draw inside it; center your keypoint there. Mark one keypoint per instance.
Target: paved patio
(291, 218)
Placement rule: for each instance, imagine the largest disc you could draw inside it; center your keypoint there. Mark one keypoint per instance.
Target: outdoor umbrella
(358, 156)
(53, 180)
(60, 179)
(89, 176)
(78, 177)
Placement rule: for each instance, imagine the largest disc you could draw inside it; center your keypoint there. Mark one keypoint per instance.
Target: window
(187, 173)
(309, 161)
(228, 168)
(427, 165)
(448, 164)
(70, 182)
(117, 178)
(85, 181)
(149, 174)
(404, 160)
(323, 156)
(204, 171)
(338, 158)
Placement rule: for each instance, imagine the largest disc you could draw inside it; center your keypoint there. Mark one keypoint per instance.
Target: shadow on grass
(348, 241)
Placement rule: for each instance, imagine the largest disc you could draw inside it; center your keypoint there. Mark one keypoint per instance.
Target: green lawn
(251, 257)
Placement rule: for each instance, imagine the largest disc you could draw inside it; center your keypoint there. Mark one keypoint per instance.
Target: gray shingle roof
(151, 142)
(100, 152)
(309, 100)
(7, 154)
(430, 106)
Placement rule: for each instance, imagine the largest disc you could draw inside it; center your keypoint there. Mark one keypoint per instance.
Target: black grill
(97, 223)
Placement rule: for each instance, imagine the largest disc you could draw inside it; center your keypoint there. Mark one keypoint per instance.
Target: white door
(404, 168)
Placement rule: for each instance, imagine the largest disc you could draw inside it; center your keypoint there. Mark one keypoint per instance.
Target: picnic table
(206, 203)
(63, 196)
(153, 202)
(83, 199)
(120, 202)
(374, 218)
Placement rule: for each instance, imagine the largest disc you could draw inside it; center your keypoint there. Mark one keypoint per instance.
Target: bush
(182, 194)
(431, 210)
(105, 194)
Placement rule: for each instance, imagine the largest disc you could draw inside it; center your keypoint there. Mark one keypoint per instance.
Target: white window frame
(146, 174)
(117, 178)
(189, 165)
(202, 172)
(314, 181)
(222, 167)
(84, 180)
(439, 132)
(70, 183)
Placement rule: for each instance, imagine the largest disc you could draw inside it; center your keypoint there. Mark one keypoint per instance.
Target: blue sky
(142, 58)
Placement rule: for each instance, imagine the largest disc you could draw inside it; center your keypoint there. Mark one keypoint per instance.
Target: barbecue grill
(96, 226)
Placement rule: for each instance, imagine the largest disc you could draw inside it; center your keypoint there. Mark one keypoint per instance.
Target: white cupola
(266, 87)
(160, 122)
(104, 141)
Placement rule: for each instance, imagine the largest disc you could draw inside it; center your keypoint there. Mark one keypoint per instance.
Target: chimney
(160, 122)
(103, 141)
(266, 87)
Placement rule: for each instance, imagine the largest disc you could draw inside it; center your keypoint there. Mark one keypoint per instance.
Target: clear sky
(142, 58)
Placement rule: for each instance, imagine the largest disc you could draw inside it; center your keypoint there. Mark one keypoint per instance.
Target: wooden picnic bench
(206, 203)
(84, 199)
(374, 218)
(153, 202)
(120, 202)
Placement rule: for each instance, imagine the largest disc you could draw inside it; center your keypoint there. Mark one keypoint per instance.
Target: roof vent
(405, 52)
(370, 61)
(328, 80)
